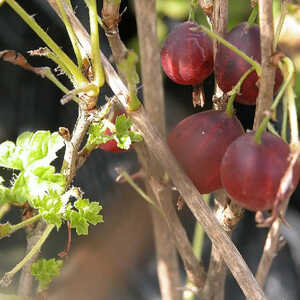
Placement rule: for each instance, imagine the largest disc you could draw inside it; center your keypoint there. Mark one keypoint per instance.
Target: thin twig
(271, 247)
(184, 185)
(167, 261)
(110, 19)
(214, 288)
(69, 170)
(198, 207)
(228, 215)
(267, 78)
(194, 269)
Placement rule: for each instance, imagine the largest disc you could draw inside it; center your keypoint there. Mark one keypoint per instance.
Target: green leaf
(45, 271)
(125, 136)
(46, 179)
(90, 211)
(37, 148)
(9, 157)
(87, 213)
(20, 190)
(43, 148)
(97, 134)
(50, 207)
(5, 193)
(5, 230)
(36, 183)
(78, 222)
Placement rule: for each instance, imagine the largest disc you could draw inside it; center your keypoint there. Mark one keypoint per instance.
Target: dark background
(116, 260)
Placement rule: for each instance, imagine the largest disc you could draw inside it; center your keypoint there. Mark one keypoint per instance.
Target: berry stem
(288, 76)
(253, 15)
(283, 13)
(128, 178)
(236, 90)
(251, 61)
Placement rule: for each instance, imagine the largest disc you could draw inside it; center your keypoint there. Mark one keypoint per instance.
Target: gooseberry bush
(257, 170)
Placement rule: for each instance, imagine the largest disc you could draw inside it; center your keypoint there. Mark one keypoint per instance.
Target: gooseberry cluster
(211, 146)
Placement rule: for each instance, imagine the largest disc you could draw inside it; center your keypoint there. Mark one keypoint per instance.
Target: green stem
(127, 177)
(272, 129)
(236, 90)
(48, 41)
(53, 79)
(99, 78)
(283, 13)
(9, 275)
(290, 95)
(288, 76)
(253, 15)
(25, 223)
(70, 31)
(4, 208)
(251, 61)
(197, 247)
(199, 234)
(284, 117)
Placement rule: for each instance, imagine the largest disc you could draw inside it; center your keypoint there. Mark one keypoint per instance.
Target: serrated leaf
(97, 134)
(87, 213)
(31, 149)
(5, 193)
(36, 183)
(24, 139)
(78, 222)
(50, 208)
(20, 190)
(89, 210)
(124, 135)
(9, 157)
(45, 271)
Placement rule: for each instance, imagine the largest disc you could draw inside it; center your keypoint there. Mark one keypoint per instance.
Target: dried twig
(214, 288)
(167, 267)
(184, 185)
(267, 79)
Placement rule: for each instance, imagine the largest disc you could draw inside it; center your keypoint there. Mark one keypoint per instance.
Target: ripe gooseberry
(251, 172)
(111, 146)
(187, 55)
(199, 142)
(229, 66)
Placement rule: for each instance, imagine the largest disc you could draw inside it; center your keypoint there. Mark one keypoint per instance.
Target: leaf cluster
(36, 182)
(121, 131)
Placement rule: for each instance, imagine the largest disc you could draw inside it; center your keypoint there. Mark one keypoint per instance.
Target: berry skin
(251, 172)
(199, 142)
(187, 55)
(229, 66)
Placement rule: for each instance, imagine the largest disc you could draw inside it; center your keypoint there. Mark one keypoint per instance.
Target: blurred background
(117, 259)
